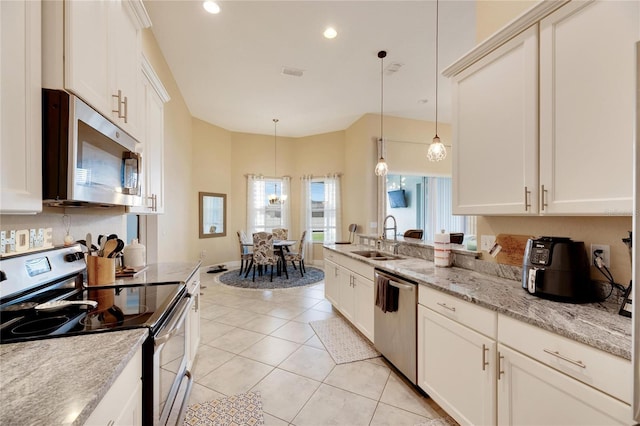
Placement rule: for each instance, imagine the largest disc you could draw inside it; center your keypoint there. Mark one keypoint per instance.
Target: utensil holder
(100, 270)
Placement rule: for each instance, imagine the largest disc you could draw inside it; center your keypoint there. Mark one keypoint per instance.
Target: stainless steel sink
(376, 255)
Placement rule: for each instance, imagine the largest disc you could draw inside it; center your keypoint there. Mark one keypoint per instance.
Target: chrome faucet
(385, 228)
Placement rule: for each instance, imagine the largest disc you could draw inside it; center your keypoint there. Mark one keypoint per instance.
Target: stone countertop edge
(595, 324)
(156, 273)
(62, 380)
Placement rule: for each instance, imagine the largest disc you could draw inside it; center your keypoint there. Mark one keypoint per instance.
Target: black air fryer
(557, 268)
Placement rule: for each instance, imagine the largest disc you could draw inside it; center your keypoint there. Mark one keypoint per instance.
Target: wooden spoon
(109, 247)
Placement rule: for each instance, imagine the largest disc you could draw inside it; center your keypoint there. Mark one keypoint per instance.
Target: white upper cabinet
(495, 119)
(20, 108)
(93, 49)
(587, 104)
(154, 96)
(574, 156)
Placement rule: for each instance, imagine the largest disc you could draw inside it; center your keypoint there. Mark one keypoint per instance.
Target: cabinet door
(587, 98)
(456, 367)
(124, 68)
(346, 293)
(495, 116)
(193, 326)
(86, 52)
(363, 305)
(20, 108)
(530, 393)
(331, 282)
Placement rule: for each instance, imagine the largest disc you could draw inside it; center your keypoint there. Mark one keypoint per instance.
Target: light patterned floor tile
(284, 393)
(309, 362)
(236, 340)
(387, 415)
(236, 376)
(333, 406)
(398, 394)
(271, 350)
(264, 324)
(294, 331)
(363, 378)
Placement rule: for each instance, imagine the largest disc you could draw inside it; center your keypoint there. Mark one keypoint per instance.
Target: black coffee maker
(557, 268)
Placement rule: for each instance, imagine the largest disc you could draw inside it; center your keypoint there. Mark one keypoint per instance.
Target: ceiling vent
(392, 68)
(292, 71)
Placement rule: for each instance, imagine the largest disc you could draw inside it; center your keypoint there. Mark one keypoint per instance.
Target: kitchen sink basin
(376, 255)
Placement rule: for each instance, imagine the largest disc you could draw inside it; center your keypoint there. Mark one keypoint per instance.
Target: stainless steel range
(42, 296)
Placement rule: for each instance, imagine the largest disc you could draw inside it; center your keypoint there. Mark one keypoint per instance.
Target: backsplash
(80, 223)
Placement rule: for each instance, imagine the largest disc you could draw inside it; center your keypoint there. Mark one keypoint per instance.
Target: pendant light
(437, 150)
(273, 197)
(381, 167)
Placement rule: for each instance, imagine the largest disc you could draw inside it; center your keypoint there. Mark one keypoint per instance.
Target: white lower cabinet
(193, 323)
(456, 367)
(485, 368)
(530, 393)
(122, 404)
(349, 288)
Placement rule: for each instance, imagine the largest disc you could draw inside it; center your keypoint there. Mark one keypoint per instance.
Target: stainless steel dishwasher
(395, 332)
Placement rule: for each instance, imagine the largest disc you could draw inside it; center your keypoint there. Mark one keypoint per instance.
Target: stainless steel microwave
(86, 159)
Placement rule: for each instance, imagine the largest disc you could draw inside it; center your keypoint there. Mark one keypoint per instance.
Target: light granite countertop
(60, 381)
(165, 272)
(594, 324)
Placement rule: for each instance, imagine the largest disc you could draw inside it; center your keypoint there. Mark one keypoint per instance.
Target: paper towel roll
(442, 250)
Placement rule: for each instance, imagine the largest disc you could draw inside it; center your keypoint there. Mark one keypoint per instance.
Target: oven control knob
(72, 257)
(3, 276)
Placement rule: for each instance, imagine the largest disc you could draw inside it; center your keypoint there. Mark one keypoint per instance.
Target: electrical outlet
(486, 242)
(606, 253)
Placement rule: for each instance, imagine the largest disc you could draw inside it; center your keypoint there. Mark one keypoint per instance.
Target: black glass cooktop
(117, 308)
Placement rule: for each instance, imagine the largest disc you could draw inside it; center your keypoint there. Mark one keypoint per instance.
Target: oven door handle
(176, 322)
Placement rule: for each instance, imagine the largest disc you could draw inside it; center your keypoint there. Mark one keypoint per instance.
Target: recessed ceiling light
(330, 32)
(211, 6)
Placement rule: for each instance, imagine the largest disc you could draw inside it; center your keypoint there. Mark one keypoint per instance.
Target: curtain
(439, 213)
(332, 208)
(285, 212)
(305, 214)
(255, 200)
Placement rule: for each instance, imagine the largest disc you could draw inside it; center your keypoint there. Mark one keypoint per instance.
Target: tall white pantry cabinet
(543, 118)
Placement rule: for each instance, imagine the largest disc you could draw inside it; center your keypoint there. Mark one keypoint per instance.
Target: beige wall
(491, 16)
(177, 227)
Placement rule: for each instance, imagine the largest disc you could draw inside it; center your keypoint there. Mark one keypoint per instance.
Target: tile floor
(262, 341)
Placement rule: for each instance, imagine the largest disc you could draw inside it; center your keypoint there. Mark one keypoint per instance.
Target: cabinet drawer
(603, 371)
(361, 268)
(473, 316)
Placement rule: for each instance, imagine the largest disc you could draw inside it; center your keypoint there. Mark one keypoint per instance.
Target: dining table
(281, 246)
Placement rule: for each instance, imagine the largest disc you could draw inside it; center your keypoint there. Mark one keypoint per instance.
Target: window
(321, 217)
(267, 205)
(428, 206)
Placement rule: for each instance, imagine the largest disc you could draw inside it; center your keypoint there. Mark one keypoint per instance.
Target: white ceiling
(229, 66)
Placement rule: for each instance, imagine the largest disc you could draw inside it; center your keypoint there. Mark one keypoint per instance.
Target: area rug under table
(343, 343)
(312, 276)
(244, 409)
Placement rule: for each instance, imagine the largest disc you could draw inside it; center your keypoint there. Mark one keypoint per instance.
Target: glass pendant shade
(437, 150)
(381, 167)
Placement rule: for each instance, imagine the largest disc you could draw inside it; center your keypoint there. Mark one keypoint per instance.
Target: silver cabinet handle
(484, 357)
(527, 204)
(444, 305)
(562, 357)
(500, 370)
(154, 202)
(543, 194)
(118, 97)
(126, 110)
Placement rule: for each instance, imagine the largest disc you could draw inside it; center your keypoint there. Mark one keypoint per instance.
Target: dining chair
(246, 255)
(414, 233)
(298, 256)
(280, 233)
(263, 254)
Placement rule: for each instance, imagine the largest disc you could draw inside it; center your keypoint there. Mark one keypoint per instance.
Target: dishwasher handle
(400, 286)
